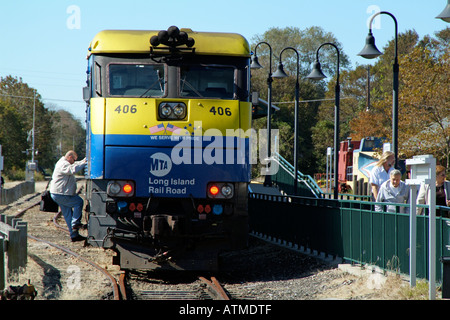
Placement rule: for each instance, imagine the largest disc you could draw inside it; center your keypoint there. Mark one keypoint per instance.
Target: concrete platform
(14, 190)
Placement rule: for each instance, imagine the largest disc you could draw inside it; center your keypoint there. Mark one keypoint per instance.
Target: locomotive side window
(207, 82)
(98, 79)
(136, 80)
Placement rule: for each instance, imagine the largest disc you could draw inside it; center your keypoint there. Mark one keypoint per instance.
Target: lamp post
(317, 74)
(281, 74)
(445, 15)
(370, 51)
(255, 65)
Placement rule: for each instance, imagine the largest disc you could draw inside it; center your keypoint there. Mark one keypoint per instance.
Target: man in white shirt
(63, 189)
(395, 191)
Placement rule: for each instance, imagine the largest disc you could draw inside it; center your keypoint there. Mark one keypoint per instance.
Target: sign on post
(423, 171)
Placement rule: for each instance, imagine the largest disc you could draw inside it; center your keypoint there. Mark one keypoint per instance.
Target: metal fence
(13, 244)
(349, 229)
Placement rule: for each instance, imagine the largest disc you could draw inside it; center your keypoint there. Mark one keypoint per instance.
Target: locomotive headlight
(120, 188)
(180, 111)
(220, 190)
(165, 111)
(227, 191)
(114, 188)
(172, 111)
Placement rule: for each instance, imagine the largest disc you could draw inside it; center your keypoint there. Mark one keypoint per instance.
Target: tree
(423, 97)
(306, 43)
(425, 105)
(68, 134)
(353, 101)
(18, 102)
(12, 137)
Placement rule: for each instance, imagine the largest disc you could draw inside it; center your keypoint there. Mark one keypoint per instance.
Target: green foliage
(306, 43)
(12, 135)
(15, 174)
(424, 105)
(17, 101)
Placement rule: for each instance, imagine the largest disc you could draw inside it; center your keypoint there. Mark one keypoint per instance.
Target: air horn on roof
(172, 38)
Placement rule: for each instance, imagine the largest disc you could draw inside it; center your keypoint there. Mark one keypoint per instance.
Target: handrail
(349, 229)
(307, 179)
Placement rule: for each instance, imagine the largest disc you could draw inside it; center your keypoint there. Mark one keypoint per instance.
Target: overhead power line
(305, 101)
(48, 99)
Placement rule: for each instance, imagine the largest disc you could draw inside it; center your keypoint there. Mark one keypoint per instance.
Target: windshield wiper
(157, 81)
(191, 87)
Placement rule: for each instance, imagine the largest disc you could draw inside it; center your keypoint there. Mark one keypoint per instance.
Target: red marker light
(214, 190)
(127, 188)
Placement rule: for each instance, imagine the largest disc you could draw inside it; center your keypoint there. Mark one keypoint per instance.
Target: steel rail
(113, 281)
(115, 287)
(215, 288)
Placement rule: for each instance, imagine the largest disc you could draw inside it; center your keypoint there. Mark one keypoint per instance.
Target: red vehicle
(345, 163)
(356, 159)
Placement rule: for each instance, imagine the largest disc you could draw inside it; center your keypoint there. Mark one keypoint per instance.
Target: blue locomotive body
(168, 149)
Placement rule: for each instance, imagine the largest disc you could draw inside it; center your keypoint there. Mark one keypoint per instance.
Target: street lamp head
(280, 73)
(445, 15)
(370, 51)
(316, 73)
(255, 64)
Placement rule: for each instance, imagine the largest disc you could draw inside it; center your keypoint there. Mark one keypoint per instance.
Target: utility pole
(31, 165)
(34, 119)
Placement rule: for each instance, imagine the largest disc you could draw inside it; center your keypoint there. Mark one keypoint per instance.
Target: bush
(15, 174)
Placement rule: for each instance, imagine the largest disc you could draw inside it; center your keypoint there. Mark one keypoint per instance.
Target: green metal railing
(349, 229)
(284, 179)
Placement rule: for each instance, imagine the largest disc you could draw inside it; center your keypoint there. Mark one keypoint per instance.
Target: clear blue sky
(45, 42)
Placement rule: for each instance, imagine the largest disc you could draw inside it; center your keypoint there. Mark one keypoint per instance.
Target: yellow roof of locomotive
(138, 42)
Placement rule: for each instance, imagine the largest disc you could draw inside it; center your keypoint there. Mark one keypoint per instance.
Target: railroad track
(204, 289)
(215, 288)
(195, 288)
(113, 281)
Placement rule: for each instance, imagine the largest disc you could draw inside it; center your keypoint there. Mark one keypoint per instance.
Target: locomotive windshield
(190, 78)
(207, 81)
(136, 80)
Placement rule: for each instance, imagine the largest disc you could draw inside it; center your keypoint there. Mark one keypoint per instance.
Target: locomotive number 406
(220, 111)
(126, 109)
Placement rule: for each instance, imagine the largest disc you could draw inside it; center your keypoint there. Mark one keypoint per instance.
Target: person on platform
(380, 172)
(442, 192)
(63, 191)
(394, 191)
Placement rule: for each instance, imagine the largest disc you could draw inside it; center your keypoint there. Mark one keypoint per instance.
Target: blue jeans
(72, 217)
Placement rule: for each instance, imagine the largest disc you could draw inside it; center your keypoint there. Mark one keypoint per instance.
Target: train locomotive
(168, 119)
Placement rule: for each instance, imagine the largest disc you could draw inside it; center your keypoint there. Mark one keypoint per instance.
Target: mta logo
(160, 164)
